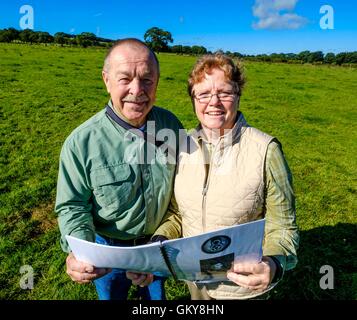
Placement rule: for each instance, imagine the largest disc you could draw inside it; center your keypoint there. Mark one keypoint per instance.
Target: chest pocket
(112, 185)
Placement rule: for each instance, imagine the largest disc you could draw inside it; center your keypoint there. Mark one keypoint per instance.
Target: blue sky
(246, 26)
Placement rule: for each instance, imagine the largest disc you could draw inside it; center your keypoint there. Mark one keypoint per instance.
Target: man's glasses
(222, 96)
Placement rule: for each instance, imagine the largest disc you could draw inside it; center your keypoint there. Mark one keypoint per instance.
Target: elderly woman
(239, 174)
(233, 174)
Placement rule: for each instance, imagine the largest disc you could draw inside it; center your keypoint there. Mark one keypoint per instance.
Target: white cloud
(277, 14)
(285, 4)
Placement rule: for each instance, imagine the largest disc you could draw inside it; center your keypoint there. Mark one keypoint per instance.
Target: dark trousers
(115, 285)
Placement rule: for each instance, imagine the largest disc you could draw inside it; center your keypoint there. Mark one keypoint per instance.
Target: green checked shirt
(280, 202)
(280, 206)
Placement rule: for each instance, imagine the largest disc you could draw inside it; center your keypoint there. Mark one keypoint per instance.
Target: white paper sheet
(140, 258)
(205, 257)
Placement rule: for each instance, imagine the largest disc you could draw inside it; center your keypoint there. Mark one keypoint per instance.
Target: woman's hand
(253, 276)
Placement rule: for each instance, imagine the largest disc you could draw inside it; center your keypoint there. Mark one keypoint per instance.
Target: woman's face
(215, 101)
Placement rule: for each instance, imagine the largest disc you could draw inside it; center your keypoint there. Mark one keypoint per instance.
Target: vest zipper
(208, 169)
(204, 192)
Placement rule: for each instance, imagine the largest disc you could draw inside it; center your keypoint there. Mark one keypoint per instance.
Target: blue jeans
(115, 285)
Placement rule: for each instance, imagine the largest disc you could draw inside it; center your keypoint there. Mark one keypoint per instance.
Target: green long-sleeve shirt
(105, 185)
(281, 230)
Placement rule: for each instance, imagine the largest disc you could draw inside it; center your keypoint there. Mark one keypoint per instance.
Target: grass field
(47, 91)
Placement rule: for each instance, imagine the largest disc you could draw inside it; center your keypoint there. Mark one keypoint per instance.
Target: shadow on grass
(335, 246)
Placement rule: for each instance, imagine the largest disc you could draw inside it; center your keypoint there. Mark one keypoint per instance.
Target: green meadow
(47, 91)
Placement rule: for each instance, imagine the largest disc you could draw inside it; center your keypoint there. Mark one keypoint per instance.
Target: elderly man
(105, 192)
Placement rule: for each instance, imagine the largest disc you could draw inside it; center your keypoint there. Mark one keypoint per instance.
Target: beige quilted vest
(234, 191)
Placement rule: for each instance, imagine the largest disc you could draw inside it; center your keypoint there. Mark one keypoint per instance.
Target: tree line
(315, 57)
(85, 39)
(159, 40)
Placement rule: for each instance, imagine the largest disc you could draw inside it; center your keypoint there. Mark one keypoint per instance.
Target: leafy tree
(198, 50)
(13, 33)
(157, 39)
(4, 36)
(330, 58)
(341, 58)
(60, 38)
(104, 42)
(186, 50)
(263, 57)
(304, 56)
(44, 37)
(8, 35)
(354, 56)
(28, 35)
(63, 38)
(278, 57)
(89, 36)
(86, 39)
(176, 49)
(316, 56)
(351, 57)
(82, 41)
(238, 55)
(291, 56)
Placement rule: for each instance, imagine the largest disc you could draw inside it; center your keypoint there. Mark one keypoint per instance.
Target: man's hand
(253, 276)
(141, 279)
(83, 272)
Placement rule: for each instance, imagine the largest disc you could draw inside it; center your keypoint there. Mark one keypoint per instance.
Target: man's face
(131, 82)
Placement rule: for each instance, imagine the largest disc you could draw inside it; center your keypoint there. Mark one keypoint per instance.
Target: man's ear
(105, 77)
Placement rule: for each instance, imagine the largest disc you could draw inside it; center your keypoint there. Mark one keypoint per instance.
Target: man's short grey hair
(134, 43)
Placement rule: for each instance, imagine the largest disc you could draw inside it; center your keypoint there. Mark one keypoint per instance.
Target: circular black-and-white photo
(216, 244)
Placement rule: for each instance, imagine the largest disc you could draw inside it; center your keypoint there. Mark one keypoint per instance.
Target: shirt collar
(119, 119)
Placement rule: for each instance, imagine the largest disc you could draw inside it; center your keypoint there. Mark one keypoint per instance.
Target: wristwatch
(158, 238)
